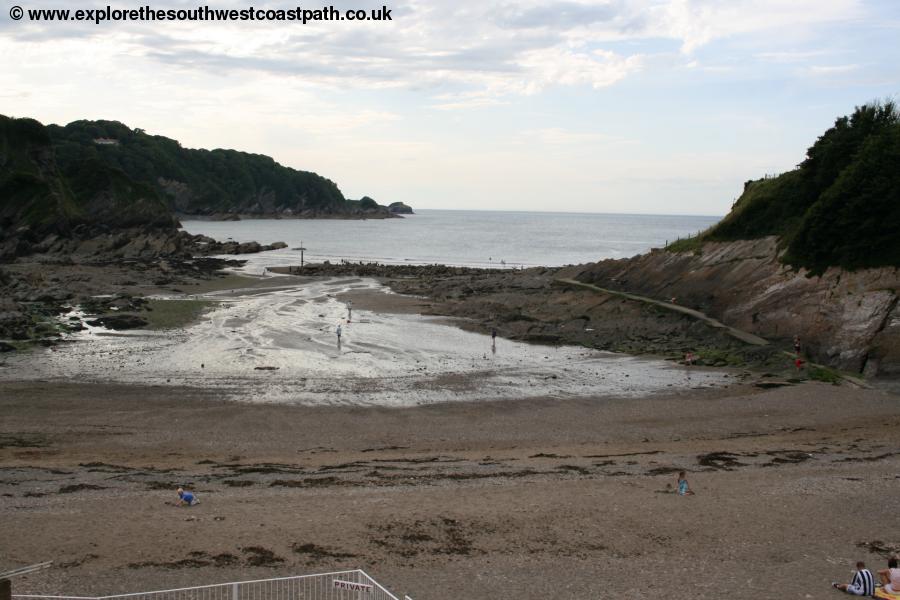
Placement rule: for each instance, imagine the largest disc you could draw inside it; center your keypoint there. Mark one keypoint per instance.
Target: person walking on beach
(338, 332)
(683, 488)
(349, 311)
(863, 584)
(186, 498)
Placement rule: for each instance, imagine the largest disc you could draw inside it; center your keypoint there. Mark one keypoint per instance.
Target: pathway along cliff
(845, 319)
(743, 336)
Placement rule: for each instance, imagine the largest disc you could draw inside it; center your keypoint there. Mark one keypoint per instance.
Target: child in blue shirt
(683, 488)
(186, 498)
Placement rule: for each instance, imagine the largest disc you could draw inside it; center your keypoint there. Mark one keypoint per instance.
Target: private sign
(349, 585)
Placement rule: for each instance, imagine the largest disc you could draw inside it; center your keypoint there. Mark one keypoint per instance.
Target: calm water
(469, 238)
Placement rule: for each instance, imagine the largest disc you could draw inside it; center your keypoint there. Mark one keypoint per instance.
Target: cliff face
(849, 320)
(813, 252)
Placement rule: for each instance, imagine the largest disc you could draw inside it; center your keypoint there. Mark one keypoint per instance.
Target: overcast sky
(657, 106)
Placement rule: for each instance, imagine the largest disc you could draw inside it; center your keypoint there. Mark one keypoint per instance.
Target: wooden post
(5, 589)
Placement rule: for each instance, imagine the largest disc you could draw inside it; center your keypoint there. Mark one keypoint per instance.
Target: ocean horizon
(471, 238)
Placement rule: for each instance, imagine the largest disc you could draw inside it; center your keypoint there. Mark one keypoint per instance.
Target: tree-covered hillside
(201, 182)
(38, 195)
(840, 207)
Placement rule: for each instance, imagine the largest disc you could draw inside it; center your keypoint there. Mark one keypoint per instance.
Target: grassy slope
(840, 207)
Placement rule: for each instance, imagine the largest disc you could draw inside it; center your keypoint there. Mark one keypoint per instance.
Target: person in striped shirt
(863, 583)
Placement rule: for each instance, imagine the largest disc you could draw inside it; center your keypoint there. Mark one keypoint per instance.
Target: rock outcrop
(399, 208)
(205, 245)
(846, 319)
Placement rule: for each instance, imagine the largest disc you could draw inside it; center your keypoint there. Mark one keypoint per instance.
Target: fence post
(234, 592)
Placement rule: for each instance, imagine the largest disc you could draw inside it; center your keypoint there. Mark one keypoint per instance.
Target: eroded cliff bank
(846, 319)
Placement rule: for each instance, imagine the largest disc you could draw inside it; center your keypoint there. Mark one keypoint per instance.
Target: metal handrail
(371, 581)
(378, 585)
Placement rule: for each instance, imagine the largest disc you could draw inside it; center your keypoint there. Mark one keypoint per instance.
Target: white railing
(339, 585)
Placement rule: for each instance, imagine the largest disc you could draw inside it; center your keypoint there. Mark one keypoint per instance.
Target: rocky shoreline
(742, 284)
(531, 305)
(846, 320)
(386, 213)
(44, 277)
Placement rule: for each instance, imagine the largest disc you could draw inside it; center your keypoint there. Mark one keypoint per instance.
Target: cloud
(790, 56)
(831, 69)
(698, 22)
(459, 54)
(556, 15)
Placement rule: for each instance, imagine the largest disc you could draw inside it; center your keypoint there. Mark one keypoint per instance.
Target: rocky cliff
(846, 319)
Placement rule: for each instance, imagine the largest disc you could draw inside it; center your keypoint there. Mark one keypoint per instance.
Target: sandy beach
(438, 489)
(524, 498)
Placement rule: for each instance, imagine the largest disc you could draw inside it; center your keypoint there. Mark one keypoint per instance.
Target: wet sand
(276, 342)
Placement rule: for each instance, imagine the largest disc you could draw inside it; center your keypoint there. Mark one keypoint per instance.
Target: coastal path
(743, 336)
(739, 334)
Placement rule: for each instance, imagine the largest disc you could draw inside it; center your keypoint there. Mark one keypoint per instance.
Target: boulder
(249, 248)
(399, 208)
(118, 322)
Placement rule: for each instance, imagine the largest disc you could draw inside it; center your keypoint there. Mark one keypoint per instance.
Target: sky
(654, 107)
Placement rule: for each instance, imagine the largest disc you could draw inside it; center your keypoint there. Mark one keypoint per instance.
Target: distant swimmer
(186, 498)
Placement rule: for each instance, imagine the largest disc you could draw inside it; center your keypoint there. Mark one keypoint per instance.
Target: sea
(469, 238)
